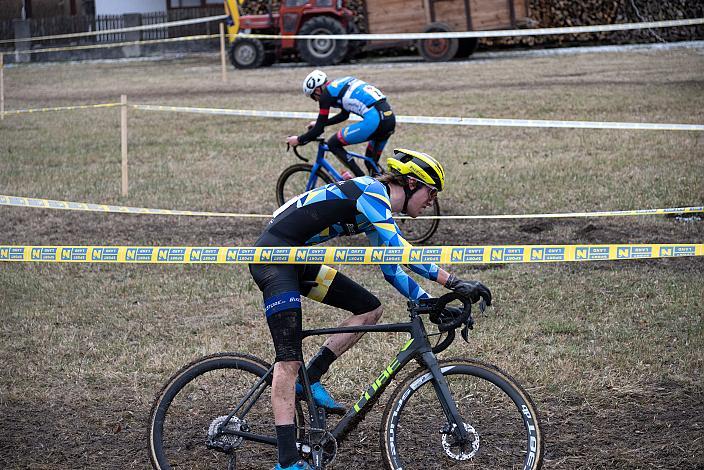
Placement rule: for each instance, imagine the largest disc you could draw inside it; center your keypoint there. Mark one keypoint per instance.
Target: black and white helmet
(314, 79)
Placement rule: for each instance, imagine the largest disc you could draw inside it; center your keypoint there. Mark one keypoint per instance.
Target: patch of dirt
(661, 424)
(535, 227)
(25, 226)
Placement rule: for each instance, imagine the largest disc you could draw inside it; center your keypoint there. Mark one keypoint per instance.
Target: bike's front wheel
(499, 416)
(186, 415)
(420, 230)
(294, 181)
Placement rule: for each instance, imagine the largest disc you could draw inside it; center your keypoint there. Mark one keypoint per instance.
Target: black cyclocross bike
(452, 413)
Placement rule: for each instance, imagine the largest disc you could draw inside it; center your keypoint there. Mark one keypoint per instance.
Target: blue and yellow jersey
(359, 205)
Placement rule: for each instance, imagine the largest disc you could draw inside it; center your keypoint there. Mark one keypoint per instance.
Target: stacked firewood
(559, 13)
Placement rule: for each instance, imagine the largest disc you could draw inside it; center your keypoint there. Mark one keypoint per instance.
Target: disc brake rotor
(457, 450)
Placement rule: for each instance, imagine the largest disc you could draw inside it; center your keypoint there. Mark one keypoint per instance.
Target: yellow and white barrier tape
(61, 108)
(500, 254)
(120, 44)
(435, 120)
(83, 206)
(17, 201)
(99, 32)
(396, 36)
(432, 120)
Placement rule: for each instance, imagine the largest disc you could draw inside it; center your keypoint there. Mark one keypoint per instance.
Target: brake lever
(469, 324)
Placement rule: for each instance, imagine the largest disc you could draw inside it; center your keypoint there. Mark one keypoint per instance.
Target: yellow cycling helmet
(418, 165)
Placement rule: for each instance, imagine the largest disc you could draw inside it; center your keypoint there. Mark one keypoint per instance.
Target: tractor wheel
(438, 49)
(356, 48)
(467, 47)
(247, 53)
(322, 51)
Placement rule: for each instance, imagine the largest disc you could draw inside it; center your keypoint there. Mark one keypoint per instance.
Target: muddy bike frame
(321, 162)
(417, 347)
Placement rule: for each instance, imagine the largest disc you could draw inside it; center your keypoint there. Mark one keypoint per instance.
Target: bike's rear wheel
(500, 416)
(194, 397)
(294, 179)
(420, 230)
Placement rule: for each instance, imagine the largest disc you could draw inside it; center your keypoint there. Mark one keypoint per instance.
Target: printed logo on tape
(387, 255)
(204, 255)
(667, 251)
(467, 255)
(171, 255)
(43, 254)
(311, 255)
(547, 254)
(506, 255)
(431, 255)
(74, 254)
(11, 253)
(633, 252)
(275, 254)
(246, 254)
(139, 254)
(591, 253)
(104, 254)
(349, 255)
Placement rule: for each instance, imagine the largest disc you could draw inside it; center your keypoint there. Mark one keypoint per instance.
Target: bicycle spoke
(207, 397)
(420, 437)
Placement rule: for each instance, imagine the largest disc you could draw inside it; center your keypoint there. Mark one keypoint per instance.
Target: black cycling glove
(473, 290)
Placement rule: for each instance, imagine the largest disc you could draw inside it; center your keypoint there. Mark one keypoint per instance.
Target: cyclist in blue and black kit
(359, 205)
(350, 95)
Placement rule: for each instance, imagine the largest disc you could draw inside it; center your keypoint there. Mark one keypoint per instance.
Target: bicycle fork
(442, 389)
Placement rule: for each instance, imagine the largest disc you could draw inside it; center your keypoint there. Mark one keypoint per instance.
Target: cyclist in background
(359, 205)
(351, 95)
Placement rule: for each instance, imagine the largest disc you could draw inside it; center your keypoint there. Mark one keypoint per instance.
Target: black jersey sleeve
(326, 101)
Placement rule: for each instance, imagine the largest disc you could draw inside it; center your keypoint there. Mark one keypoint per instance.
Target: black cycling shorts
(282, 286)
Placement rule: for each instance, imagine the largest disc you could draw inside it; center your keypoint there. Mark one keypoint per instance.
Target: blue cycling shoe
(300, 465)
(322, 398)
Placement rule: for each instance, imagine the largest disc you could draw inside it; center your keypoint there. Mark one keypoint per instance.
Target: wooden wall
(411, 16)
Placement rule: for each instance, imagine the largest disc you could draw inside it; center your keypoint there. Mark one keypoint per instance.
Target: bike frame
(418, 347)
(321, 162)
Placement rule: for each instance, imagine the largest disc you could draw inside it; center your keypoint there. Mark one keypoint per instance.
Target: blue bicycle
(303, 177)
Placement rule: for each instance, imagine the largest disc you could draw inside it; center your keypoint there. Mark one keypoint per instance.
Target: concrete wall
(111, 7)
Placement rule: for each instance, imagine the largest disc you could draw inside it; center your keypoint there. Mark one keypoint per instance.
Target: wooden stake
(2, 87)
(123, 142)
(223, 62)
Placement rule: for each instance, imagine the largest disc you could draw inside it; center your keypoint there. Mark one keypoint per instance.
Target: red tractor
(292, 17)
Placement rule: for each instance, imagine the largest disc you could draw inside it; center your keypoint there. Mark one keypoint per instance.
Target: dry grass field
(611, 352)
